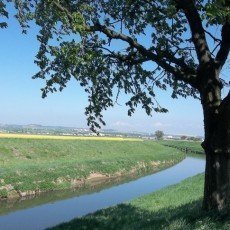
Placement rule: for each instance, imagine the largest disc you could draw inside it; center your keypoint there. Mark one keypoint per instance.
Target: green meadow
(29, 166)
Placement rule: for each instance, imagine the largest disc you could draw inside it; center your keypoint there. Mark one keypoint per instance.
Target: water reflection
(58, 210)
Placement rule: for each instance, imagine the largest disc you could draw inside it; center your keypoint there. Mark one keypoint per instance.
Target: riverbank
(190, 145)
(175, 207)
(30, 166)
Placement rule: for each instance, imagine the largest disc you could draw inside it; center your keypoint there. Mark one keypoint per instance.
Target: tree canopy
(159, 134)
(107, 45)
(79, 39)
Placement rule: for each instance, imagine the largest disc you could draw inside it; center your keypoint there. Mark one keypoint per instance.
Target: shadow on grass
(126, 216)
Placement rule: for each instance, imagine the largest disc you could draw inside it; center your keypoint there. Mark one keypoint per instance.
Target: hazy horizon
(103, 129)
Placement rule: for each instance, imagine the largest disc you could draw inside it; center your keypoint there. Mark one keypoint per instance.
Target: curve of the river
(51, 214)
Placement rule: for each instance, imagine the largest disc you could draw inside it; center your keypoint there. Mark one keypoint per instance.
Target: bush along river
(51, 209)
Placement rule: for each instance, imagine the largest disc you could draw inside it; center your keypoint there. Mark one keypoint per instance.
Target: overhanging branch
(224, 50)
(184, 75)
(197, 30)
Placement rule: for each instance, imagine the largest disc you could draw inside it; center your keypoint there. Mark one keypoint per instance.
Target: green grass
(194, 145)
(176, 207)
(39, 164)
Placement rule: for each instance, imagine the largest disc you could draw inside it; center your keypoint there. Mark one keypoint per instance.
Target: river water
(40, 214)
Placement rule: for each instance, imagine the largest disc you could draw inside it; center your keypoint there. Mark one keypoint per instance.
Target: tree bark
(217, 148)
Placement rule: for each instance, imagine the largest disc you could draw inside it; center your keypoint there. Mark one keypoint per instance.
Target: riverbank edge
(175, 207)
(96, 179)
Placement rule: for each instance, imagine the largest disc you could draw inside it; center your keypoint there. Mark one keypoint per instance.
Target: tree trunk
(217, 149)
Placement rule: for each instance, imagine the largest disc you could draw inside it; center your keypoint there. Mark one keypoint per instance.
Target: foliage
(194, 139)
(3, 193)
(183, 137)
(78, 39)
(3, 13)
(159, 134)
(175, 207)
(218, 11)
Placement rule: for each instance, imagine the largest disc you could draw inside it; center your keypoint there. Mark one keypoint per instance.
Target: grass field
(194, 145)
(31, 165)
(177, 207)
(50, 137)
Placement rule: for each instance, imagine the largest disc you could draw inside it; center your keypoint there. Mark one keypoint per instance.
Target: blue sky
(21, 101)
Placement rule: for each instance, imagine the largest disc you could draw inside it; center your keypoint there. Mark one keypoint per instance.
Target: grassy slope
(176, 207)
(30, 164)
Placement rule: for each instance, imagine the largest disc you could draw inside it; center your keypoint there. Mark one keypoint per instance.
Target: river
(43, 212)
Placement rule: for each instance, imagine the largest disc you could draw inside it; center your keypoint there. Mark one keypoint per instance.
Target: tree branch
(213, 37)
(184, 75)
(128, 59)
(197, 30)
(63, 9)
(224, 50)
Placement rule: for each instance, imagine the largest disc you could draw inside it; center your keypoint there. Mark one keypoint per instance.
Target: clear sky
(21, 101)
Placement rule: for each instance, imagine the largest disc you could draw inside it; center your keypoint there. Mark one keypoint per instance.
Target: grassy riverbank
(176, 207)
(31, 165)
(193, 145)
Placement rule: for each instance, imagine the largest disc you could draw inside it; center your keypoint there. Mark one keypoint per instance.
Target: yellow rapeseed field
(96, 138)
